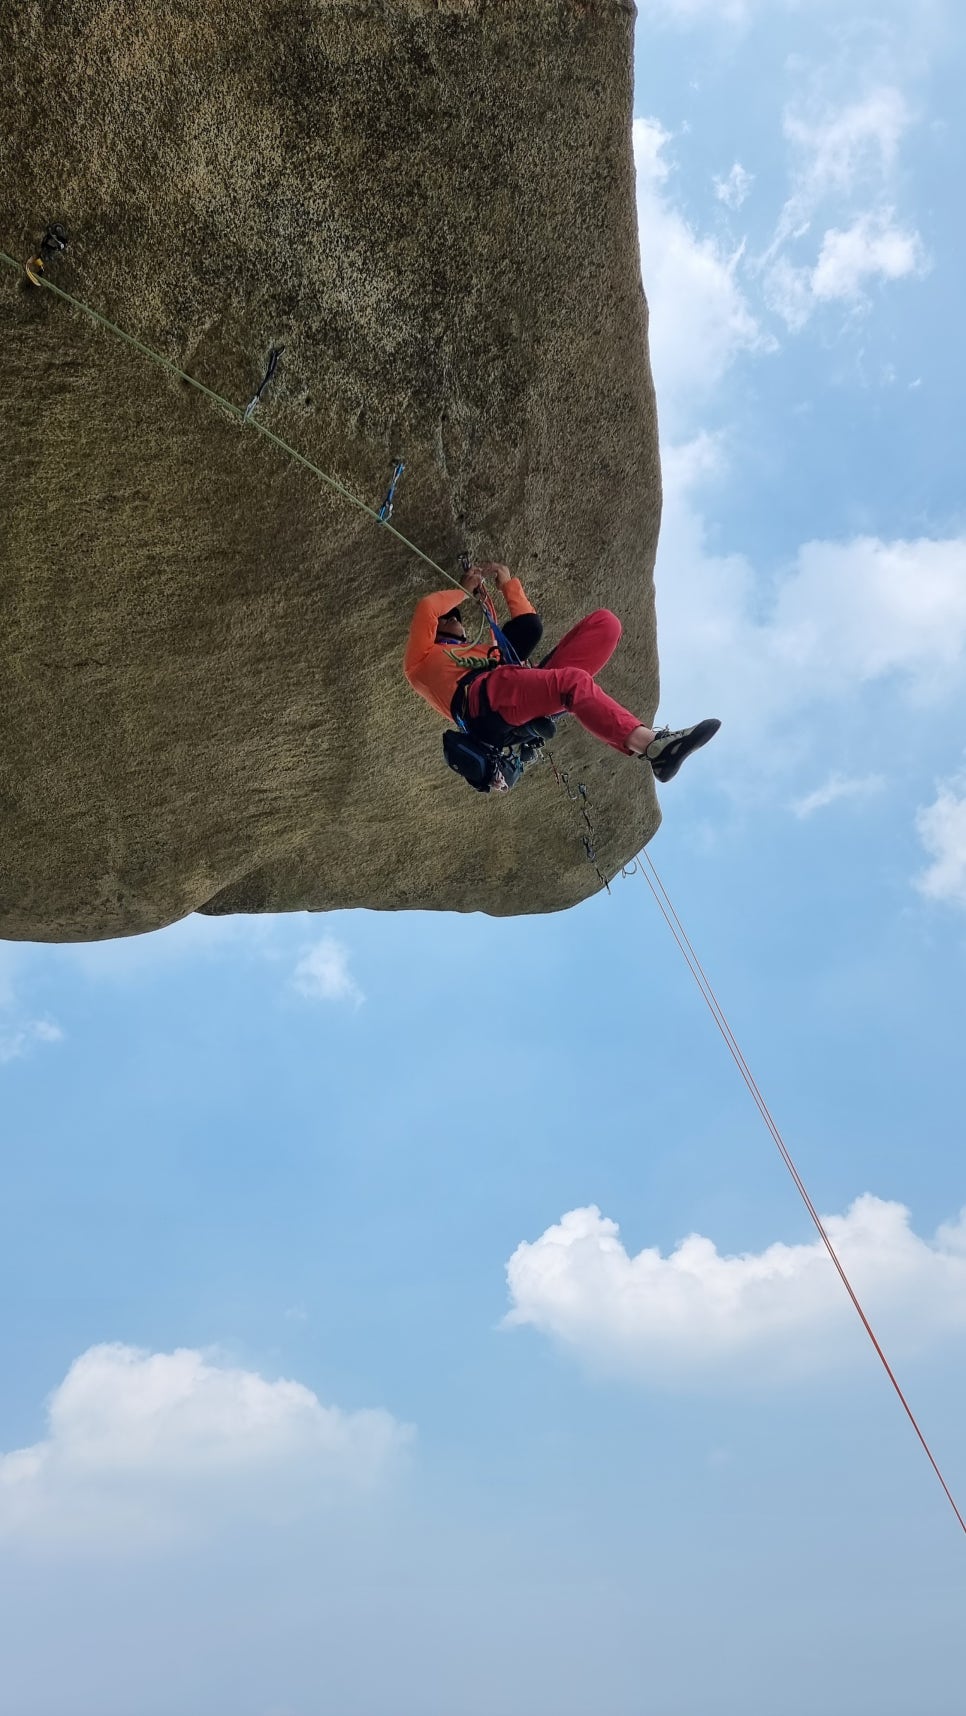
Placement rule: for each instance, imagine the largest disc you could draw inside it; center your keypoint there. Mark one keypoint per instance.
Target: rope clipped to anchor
(236, 412)
(55, 240)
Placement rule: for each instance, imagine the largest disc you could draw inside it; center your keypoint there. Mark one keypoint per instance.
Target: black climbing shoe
(667, 751)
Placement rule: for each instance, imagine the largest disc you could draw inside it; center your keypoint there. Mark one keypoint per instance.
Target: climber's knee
(573, 682)
(608, 622)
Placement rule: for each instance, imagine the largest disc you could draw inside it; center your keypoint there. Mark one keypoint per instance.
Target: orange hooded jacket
(435, 669)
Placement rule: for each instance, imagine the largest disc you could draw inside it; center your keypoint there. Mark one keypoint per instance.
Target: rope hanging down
(644, 865)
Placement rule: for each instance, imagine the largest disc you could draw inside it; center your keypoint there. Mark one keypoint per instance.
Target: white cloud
(787, 291)
(835, 788)
(11, 957)
(322, 973)
(194, 938)
(699, 317)
(766, 648)
(841, 153)
(733, 190)
(842, 616)
(741, 13)
(872, 246)
(861, 610)
(697, 1310)
(17, 1038)
(941, 827)
(841, 157)
(140, 1441)
(733, 12)
(19, 1034)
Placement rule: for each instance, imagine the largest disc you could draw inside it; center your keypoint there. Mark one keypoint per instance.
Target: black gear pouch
(475, 762)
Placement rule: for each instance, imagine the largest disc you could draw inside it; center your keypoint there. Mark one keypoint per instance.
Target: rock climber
(472, 684)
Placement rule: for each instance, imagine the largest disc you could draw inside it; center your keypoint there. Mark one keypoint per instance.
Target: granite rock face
(430, 205)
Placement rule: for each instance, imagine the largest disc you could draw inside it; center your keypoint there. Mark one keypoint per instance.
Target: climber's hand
(472, 580)
(501, 575)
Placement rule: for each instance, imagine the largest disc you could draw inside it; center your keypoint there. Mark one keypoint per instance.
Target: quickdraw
(578, 795)
(52, 243)
(385, 511)
(273, 357)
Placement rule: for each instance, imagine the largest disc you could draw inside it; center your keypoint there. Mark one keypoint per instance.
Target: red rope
(700, 977)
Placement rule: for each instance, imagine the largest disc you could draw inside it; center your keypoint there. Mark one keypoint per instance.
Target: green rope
(235, 411)
(250, 422)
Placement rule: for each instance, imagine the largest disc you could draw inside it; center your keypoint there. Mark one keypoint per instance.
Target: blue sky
(352, 1360)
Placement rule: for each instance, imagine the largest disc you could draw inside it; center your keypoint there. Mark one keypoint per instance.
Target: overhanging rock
(430, 205)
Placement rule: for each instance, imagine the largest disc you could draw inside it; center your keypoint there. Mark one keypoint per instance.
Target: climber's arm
(511, 590)
(422, 632)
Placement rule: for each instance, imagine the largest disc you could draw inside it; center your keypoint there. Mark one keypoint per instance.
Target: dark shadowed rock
(430, 204)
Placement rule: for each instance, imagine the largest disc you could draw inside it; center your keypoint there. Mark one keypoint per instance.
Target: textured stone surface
(430, 203)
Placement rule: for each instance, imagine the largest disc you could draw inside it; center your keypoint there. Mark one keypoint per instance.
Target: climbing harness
(493, 765)
(53, 241)
(273, 357)
(487, 751)
(385, 511)
(576, 793)
(643, 865)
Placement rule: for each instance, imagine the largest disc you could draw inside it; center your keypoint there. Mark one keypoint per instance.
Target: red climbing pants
(566, 681)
